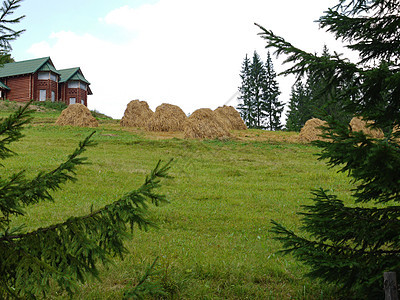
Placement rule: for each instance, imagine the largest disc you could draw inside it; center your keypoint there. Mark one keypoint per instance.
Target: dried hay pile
(229, 116)
(358, 124)
(310, 131)
(77, 115)
(167, 117)
(137, 114)
(204, 124)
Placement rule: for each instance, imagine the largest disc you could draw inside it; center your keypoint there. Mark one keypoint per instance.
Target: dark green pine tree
(63, 254)
(271, 107)
(323, 101)
(245, 106)
(299, 111)
(251, 91)
(259, 91)
(347, 243)
(257, 81)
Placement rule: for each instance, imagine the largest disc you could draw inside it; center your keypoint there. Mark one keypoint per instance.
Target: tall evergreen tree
(353, 244)
(259, 92)
(31, 262)
(271, 106)
(257, 81)
(299, 111)
(323, 101)
(245, 107)
(64, 253)
(313, 100)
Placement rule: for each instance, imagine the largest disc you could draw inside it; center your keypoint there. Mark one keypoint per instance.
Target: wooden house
(38, 79)
(73, 86)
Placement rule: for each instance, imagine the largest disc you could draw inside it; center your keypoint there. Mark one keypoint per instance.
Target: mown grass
(213, 240)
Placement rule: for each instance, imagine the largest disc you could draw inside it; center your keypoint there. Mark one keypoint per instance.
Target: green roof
(72, 74)
(49, 67)
(27, 67)
(3, 86)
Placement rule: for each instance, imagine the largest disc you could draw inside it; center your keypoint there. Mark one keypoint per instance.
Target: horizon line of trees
(260, 107)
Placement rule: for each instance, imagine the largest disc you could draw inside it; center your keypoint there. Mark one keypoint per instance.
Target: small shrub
(98, 115)
(59, 106)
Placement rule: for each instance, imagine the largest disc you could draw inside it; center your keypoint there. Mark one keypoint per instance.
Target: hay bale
(167, 117)
(77, 115)
(358, 124)
(230, 117)
(137, 114)
(310, 131)
(204, 124)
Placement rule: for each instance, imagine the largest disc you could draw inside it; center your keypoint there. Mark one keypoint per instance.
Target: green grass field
(213, 240)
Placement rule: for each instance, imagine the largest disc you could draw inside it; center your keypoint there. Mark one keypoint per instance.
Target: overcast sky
(183, 52)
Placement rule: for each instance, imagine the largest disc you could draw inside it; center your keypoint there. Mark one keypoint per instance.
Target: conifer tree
(259, 92)
(312, 100)
(251, 91)
(270, 105)
(257, 81)
(8, 34)
(352, 244)
(62, 254)
(298, 112)
(321, 100)
(245, 106)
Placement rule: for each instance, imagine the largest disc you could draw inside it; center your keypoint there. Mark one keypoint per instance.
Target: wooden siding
(49, 86)
(27, 87)
(77, 93)
(20, 88)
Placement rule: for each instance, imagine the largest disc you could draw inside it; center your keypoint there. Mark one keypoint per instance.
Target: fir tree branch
(297, 245)
(7, 33)
(74, 246)
(11, 127)
(17, 191)
(341, 70)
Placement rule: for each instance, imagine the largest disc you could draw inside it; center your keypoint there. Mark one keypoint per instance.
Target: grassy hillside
(213, 240)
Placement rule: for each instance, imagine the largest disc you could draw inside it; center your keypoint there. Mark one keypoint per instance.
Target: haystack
(167, 117)
(358, 124)
(310, 131)
(230, 117)
(204, 124)
(137, 114)
(77, 115)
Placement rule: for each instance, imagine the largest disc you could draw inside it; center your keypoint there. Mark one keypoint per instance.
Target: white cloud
(187, 53)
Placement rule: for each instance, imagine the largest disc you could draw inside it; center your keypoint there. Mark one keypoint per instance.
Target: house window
(82, 101)
(73, 84)
(47, 76)
(43, 75)
(42, 95)
(53, 77)
(83, 86)
(72, 100)
(53, 96)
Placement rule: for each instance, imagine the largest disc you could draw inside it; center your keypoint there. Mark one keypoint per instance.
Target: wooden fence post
(390, 285)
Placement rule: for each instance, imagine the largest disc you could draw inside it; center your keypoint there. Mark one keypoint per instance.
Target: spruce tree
(257, 81)
(297, 113)
(59, 255)
(259, 91)
(321, 100)
(251, 91)
(352, 244)
(312, 100)
(245, 106)
(270, 105)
